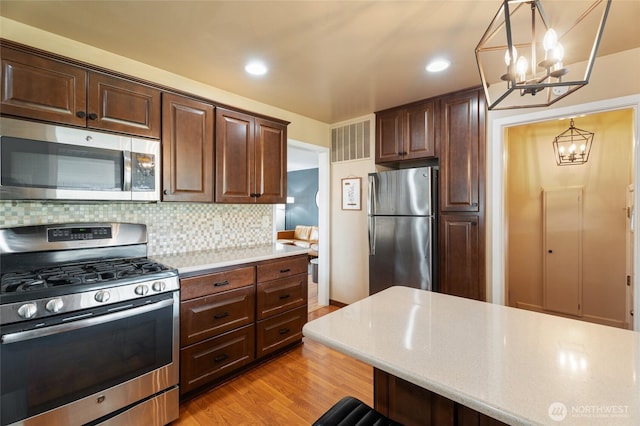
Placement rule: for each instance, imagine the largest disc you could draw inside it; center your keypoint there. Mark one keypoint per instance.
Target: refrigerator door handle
(372, 196)
(372, 235)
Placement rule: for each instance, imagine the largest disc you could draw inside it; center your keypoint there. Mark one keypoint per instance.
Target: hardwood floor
(295, 388)
(313, 294)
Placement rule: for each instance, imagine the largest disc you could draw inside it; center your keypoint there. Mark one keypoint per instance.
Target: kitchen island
(460, 361)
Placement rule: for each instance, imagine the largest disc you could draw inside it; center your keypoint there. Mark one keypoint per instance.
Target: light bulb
(561, 150)
(550, 40)
(583, 148)
(521, 67)
(558, 52)
(507, 57)
(572, 148)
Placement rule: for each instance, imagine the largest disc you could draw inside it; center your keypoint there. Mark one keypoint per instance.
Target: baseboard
(336, 303)
(589, 318)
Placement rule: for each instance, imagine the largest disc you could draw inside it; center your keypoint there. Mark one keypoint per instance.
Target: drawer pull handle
(285, 296)
(284, 331)
(222, 315)
(221, 358)
(222, 283)
(282, 271)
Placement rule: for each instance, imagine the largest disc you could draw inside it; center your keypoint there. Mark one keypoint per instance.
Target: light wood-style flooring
(313, 295)
(295, 388)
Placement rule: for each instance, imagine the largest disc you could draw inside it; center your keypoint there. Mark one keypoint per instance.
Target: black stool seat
(350, 411)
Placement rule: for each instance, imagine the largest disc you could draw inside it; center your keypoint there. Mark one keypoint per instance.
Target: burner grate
(82, 273)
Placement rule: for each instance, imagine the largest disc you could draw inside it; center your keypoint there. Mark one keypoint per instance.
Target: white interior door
(562, 244)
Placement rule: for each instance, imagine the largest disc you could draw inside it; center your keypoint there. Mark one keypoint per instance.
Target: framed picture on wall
(351, 194)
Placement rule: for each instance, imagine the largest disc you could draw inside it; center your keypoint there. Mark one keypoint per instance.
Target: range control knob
(28, 310)
(102, 296)
(159, 286)
(141, 290)
(54, 305)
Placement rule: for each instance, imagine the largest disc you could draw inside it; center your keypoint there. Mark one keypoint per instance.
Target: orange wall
(530, 167)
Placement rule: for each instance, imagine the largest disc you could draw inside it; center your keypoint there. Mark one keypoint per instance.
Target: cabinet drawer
(207, 316)
(206, 361)
(279, 331)
(205, 285)
(278, 296)
(282, 268)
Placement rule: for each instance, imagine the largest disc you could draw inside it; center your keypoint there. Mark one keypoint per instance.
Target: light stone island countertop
(202, 261)
(517, 366)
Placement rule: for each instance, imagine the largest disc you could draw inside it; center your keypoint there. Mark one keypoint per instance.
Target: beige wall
(349, 243)
(530, 167)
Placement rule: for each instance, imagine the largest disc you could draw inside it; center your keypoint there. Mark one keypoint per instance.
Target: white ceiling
(329, 60)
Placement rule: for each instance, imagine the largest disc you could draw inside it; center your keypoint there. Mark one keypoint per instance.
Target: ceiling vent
(351, 142)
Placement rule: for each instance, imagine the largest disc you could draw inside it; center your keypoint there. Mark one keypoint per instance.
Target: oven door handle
(75, 325)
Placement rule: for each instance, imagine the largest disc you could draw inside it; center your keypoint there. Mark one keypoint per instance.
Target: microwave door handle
(75, 325)
(126, 181)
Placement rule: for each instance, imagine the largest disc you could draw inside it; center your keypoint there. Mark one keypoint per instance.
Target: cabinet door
(42, 89)
(461, 255)
(187, 149)
(235, 162)
(389, 136)
(122, 106)
(410, 404)
(420, 134)
(208, 316)
(211, 359)
(278, 296)
(462, 152)
(271, 161)
(280, 331)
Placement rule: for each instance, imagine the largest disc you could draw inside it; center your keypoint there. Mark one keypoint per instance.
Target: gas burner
(81, 273)
(21, 282)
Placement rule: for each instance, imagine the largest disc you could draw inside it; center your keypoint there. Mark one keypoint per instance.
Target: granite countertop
(201, 261)
(518, 366)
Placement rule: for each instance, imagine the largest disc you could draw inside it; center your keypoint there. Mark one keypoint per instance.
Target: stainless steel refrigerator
(402, 206)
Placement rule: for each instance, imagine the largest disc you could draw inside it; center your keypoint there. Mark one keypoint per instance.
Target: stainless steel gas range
(88, 325)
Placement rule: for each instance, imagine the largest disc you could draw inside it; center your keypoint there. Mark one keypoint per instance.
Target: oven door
(80, 370)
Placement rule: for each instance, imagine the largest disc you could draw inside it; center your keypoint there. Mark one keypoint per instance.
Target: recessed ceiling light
(438, 65)
(256, 68)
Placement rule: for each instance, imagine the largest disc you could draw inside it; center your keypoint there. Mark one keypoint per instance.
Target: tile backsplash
(172, 227)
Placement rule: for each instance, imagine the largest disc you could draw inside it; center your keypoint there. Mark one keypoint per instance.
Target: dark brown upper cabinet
(251, 159)
(462, 158)
(41, 88)
(406, 133)
(187, 149)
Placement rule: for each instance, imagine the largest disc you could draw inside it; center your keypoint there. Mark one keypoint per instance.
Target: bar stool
(350, 411)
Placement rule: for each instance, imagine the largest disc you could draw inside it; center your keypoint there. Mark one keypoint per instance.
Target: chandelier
(572, 146)
(523, 59)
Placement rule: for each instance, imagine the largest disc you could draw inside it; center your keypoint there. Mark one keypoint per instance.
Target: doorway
(306, 156)
(498, 164)
(566, 230)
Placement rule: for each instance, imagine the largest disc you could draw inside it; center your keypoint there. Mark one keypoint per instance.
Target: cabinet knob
(93, 116)
(81, 114)
(165, 192)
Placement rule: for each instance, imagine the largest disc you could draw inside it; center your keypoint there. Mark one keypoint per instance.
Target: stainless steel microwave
(49, 162)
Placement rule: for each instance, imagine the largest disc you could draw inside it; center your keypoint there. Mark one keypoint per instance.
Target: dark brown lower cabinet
(462, 256)
(410, 405)
(216, 357)
(228, 321)
(280, 331)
